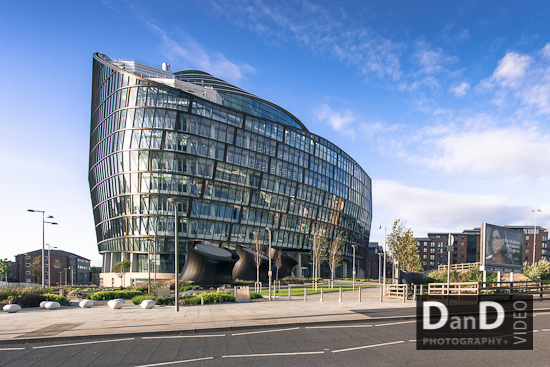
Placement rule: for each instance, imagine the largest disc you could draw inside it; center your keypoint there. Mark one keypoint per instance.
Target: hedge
(63, 301)
(108, 295)
(138, 299)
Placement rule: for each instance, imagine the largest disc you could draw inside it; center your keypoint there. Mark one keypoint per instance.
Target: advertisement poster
(501, 247)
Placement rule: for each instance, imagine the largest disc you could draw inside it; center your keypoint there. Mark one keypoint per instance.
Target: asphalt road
(375, 344)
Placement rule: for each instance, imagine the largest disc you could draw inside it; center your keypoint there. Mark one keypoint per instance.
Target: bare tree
(335, 253)
(278, 263)
(258, 255)
(318, 252)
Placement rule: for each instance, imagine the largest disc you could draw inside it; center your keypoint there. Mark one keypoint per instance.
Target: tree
(402, 248)
(258, 257)
(36, 268)
(335, 253)
(318, 252)
(4, 268)
(278, 263)
(121, 268)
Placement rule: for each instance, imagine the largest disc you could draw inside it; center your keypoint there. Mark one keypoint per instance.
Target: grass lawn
(299, 290)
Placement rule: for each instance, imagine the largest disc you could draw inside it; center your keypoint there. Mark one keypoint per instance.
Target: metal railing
(462, 266)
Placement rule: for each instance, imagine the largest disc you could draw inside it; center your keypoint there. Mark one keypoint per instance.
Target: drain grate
(50, 330)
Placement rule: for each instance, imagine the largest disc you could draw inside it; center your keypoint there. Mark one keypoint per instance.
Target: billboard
(501, 247)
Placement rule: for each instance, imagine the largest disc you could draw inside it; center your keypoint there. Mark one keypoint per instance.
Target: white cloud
(460, 90)
(521, 79)
(319, 29)
(433, 210)
(430, 60)
(511, 69)
(190, 53)
(512, 153)
(340, 121)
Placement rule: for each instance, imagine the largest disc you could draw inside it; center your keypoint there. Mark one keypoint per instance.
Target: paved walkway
(100, 320)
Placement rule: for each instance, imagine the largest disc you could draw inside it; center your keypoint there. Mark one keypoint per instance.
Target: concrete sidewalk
(34, 324)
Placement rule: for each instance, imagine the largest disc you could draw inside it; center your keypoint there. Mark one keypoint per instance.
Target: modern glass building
(240, 164)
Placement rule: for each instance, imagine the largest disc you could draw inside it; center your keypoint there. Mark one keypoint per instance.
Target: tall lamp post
(353, 273)
(269, 271)
(175, 202)
(535, 234)
(149, 267)
(384, 278)
(50, 264)
(43, 239)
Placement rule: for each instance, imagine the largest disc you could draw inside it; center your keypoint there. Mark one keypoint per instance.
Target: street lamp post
(65, 276)
(384, 278)
(43, 239)
(149, 267)
(353, 273)
(269, 271)
(50, 264)
(175, 201)
(535, 234)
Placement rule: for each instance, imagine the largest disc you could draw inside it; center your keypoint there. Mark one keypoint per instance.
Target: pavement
(100, 321)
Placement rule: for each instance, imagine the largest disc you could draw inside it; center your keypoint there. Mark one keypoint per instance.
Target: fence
(18, 284)
(462, 266)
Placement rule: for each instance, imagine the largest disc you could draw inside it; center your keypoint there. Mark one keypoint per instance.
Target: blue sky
(445, 104)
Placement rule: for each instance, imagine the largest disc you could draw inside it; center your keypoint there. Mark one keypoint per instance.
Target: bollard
(305, 294)
(289, 297)
(414, 293)
(321, 294)
(421, 291)
(359, 294)
(340, 299)
(404, 294)
(202, 300)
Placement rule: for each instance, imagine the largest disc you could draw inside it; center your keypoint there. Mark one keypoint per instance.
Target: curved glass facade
(236, 172)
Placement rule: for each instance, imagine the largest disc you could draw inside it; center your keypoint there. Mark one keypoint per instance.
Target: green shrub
(244, 282)
(192, 300)
(254, 295)
(108, 295)
(184, 288)
(29, 300)
(63, 301)
(14, 292)
(215, 297)
(168, 301)
(538, 271)
(138, 299)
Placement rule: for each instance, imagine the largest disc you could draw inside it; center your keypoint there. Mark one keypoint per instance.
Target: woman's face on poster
(497, 241)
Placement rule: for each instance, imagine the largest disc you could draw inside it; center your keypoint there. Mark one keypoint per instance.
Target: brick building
(433, 248)
(66, 268)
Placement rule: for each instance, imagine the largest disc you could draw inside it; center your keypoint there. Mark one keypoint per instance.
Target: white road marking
(181, 336)
(396, 323)
(367, 346)
(412, 340)
(536, 331)
(271, 354)
(545, 330)
(265, 331)
(335, 326)
(67, 345)
(175, 362)
(12, 348)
